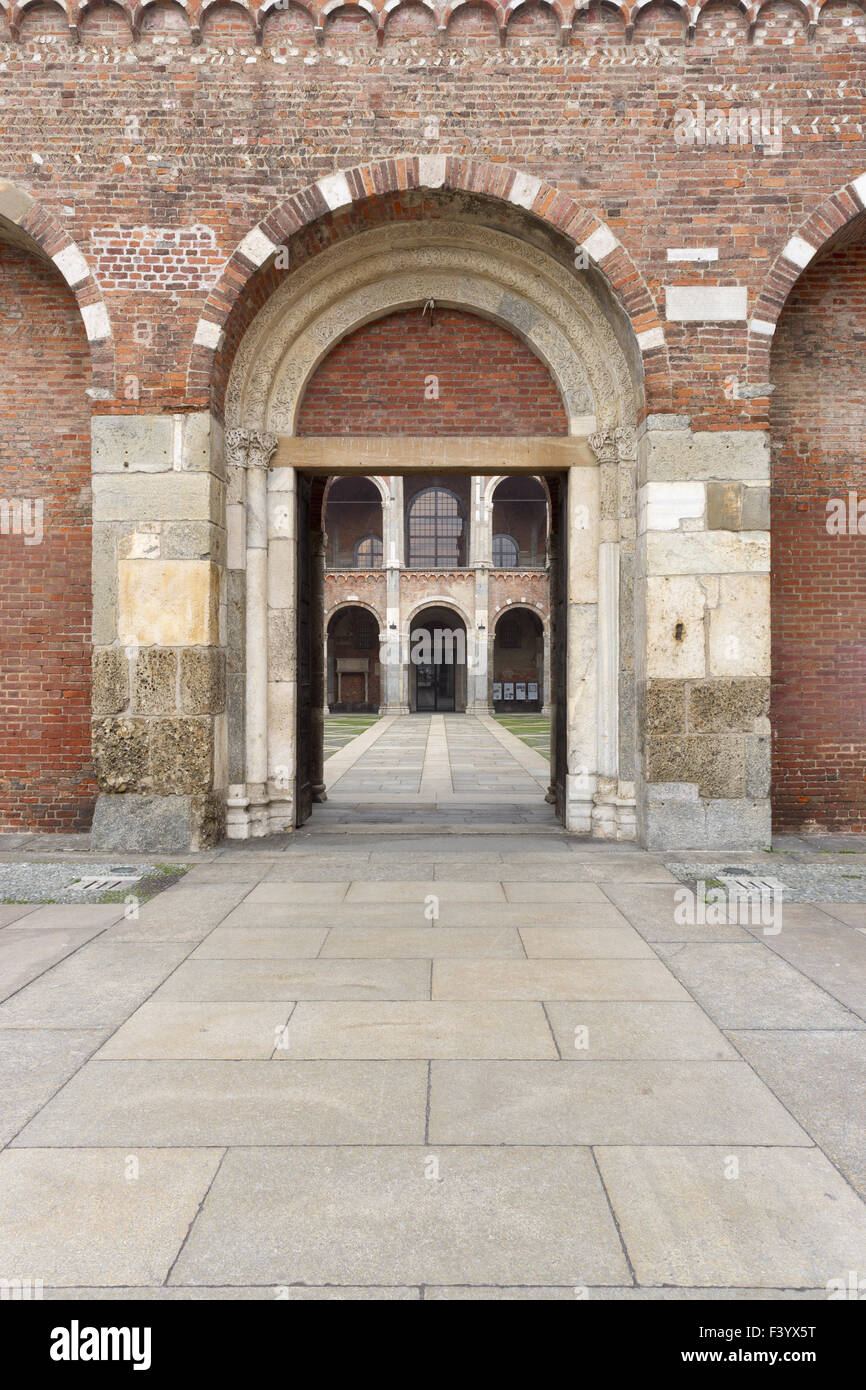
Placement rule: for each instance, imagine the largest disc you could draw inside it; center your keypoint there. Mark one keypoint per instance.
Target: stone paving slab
(206, 1103)
(563, 943)
(788, 1219)
(652, 911)
(592, 1031)
(559, 893)
(26, 954)
(66, 915)
(748, 987)
(204, 981)
(261, 943)
(416, 890)
(33, 1065)
(285, 1293)
(165, 1030)
(554, 979)
(13, 912)
(430, 943)
(605, 1102)
(462, 1293)
(297, 892)
(425, 1028)
(75, 1216)
(373, 1215)
(833, 955)
(819, 1077)
(97, 987)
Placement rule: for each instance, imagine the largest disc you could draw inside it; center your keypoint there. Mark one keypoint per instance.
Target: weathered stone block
(707, 552)
(676, 638)
(672, 816)
(168, 496)
(739, 636)
(141, 824)
(756, 508)
(193, 540)
(137, 443)
(665, 708)
(202, 681)
(680, 453)
(758, 765)
(181, 755)
(724, 705)
(168, 603)
(154, 682)
(120, 754)
(743, 823)
(110, 689)
(104, 585)
(724, 506)
(715, 764)
(281, 644)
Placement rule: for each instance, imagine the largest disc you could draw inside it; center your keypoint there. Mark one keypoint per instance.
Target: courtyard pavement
(432, 1059)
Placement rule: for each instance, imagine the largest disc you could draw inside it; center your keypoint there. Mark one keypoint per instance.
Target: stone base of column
(579, 793)
(319, 792)
(614, 815)
(125, 823)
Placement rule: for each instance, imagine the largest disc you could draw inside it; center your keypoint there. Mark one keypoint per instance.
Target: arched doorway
(353, 673)
(437, 662)
(518, 674)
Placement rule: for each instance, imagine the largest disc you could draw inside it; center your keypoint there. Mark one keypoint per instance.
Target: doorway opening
(438, 660)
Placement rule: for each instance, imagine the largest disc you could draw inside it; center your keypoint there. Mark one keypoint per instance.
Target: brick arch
(19, 209)
(453, 173)
(813, 233)
(344, 603)
(505, 608)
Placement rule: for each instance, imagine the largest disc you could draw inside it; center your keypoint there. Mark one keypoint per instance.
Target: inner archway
(438, 658)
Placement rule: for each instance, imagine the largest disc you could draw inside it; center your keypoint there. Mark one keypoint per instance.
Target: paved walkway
(431, 1066)
(436, 770)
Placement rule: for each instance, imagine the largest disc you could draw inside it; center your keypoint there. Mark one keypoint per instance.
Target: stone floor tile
(563, 895)
(633, 1032)
(426, 1028)
(605, 1102)
(296, 892)
(205, 1103)
(417, 890)
(205, 981)
(624, 1294)
(423, 942)
(79, 1216)
(26, 954)
(819, 1077)
(261, 943)
(833, 956)
(853, 914)
(577, 943)
(652, 910)
(97, 987)
(35, 1064)
(787, 1220)
(748, 987)
(374, 1215)
(555, 979)
(231, 1030)
(13, 912)
(266, 1293)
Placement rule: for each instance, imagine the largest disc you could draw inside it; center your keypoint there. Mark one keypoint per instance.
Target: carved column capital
(250, 448)
(603, 445)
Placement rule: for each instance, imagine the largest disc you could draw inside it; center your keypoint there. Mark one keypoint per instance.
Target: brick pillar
(159, 542)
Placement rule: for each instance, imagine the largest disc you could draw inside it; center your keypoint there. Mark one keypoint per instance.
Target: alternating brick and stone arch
(582, 227)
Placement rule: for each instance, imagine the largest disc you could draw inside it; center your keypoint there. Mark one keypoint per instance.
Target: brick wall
(819, 580)
(45, 779)
(458, 375)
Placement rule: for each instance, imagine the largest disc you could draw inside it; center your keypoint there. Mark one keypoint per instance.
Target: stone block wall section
(159, 631)
(704, 636)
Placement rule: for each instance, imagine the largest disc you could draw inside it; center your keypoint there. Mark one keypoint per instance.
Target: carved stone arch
(386, 269)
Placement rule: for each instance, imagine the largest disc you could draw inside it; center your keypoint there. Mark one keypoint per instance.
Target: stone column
(251, 451)
(282, 648)
(391, 694)
(481, 560)
(703, 636)
(317, 618)
(159, 632)
(581, 647)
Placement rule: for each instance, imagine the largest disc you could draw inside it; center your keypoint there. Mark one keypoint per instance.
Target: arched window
(506, 553)
(508, 634)
(435, 530)
(368, 553)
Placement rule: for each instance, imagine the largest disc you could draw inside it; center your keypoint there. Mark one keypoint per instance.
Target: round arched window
(506, 553)
(435, 530)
